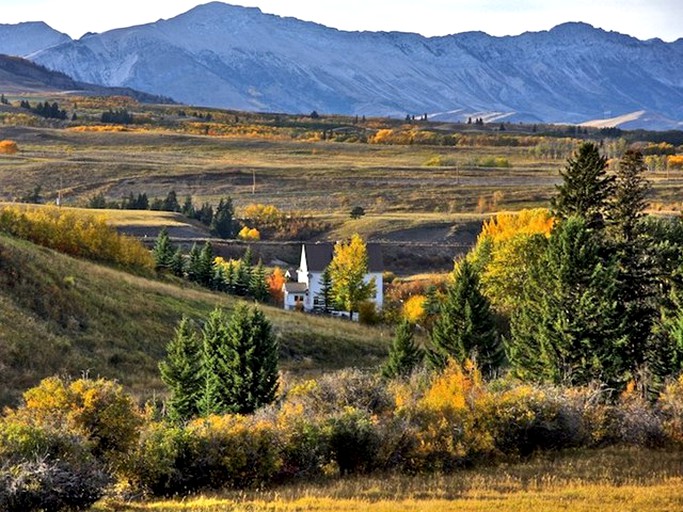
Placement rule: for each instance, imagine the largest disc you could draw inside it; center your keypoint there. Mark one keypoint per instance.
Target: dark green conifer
(586, 187)
(222, 224)
(181, 372)
(404, 354)
(566, 328)
(178, 263)
(163, 251)
(465, 327)
(258, 288)
(206, 271)
(194, 265)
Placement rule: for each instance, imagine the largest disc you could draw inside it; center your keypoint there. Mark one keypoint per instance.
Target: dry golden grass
(617, 479)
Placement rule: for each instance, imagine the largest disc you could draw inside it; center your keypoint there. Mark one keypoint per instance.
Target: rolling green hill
(60, 315)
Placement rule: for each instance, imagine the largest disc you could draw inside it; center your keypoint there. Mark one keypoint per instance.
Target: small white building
(306, 293)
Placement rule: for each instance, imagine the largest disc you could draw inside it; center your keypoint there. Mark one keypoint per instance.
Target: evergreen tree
(636, 285)
(325, 299)
(194, 270)
(205, 214)
(404, 354)
(251, 352)
(163, 251)
(239, 357)
(171, 202)
(466, 327)
(188, 208)
(243, 274)
(214, 365)
(585, 188)
(629, 198)
(258, 288)
(205, 266)
(178, 263)
(222, 222)
(566, 328)
(181, 372)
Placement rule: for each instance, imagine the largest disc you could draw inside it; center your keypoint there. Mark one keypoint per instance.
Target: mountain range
(226, 56)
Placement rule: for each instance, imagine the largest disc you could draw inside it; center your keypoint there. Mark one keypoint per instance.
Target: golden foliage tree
(348, 269)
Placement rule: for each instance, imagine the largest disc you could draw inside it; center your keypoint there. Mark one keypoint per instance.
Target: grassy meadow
(62, 315)
(610, 480)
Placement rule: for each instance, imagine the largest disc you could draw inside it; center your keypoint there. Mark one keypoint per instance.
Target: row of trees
(221, 220)
(592, 295)
(201, 266)
(47, 110)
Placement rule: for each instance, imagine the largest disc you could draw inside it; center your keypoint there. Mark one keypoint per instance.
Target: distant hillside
(227, 56)
(68, 316)
(19, 75)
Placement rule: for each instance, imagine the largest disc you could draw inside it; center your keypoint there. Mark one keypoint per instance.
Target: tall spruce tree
(325, 300)
(258, 288)
(215, 366)
(205, 267)
(243, 273)
(567, 328)
(178, 263)
(636, 284)
(194, 271)
(222, 223)
(465, 327)
(585, 187)
(239, 363)
(181, 372)
(163, 251)
(404, 354)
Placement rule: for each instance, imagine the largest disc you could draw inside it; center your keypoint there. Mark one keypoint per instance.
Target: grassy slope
(616, 479)
(62, 315)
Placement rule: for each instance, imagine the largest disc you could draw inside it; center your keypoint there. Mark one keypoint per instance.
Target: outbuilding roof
(319, 256)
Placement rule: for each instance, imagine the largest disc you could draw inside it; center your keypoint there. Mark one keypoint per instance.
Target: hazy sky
(640, 18)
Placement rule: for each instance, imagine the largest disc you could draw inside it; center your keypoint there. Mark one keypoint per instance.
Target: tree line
(595, 298)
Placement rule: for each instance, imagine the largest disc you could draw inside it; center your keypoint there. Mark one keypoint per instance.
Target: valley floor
(615, 479)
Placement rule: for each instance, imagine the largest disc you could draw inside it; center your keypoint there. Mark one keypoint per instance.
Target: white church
(305, 293)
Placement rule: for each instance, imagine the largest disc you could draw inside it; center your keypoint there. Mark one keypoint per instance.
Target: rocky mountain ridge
(226, 56)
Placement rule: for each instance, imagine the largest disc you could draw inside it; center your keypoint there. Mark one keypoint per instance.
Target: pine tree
(566, 328)
(243, 273)
(206, 272)
(239, 356)
(194, 271)
(171, 204)
(178, 263)
(188, 208)
(629, 199)
(326, 297)
(222, 222)
(636, 285)
(258, 289)
(465, 327)
(181, 372)
(251, 351)
(163, 251)
(404, 354)
(214, 365)
(585, 188)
